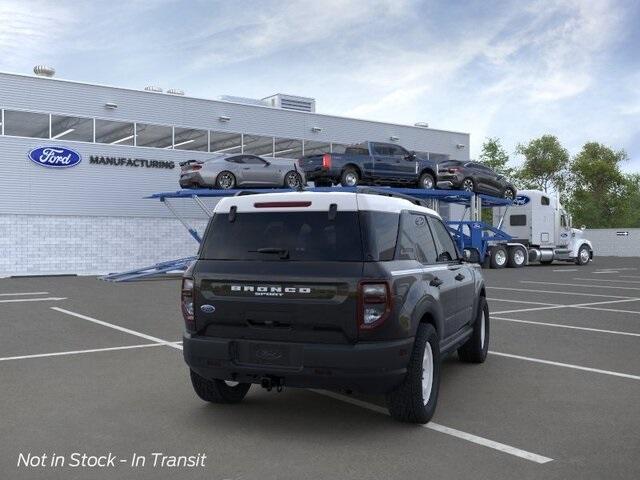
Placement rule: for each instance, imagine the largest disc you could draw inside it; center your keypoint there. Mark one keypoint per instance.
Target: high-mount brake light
(186, 303)
(326, 161)
(281, 204)
(374, 304)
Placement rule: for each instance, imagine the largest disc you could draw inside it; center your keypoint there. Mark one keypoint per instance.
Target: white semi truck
(541, 232)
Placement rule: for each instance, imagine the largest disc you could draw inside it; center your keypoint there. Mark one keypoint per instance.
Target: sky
(514, 70)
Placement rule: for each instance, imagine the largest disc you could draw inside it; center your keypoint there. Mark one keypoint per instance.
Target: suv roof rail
(387, 193)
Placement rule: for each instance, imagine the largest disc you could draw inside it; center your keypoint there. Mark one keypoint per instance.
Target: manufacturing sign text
(54, 157)
(130, 162)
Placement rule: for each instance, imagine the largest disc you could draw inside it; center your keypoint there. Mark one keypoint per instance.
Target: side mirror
(466, 255)
(410, 156)
(583, 227)
(267, 163)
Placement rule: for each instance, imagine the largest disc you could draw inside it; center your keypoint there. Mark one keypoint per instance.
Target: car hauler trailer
(539, 225)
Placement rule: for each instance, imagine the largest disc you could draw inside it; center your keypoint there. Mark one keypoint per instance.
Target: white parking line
(606, 280)
(77, 352)
(491, 299)
(572, 327)
(119, 328)
(629, 276)
(47, 299)
(23, 293)
(580, 285)
(565, 270)
(576, 305)
(469, 437)
(566, 365)
(530, 290)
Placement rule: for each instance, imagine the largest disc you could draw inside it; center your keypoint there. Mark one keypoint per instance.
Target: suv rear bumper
(373, 367)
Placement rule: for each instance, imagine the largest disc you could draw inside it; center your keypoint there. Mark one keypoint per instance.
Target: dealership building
(120, 145)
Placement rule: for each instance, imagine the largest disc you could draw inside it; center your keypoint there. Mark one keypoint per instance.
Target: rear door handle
(436, 282)
(459, 277)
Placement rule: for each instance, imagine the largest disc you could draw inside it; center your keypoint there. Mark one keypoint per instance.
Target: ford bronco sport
(349, 291)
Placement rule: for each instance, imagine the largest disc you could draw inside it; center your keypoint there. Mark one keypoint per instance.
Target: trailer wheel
(498, 257)
(517, 257)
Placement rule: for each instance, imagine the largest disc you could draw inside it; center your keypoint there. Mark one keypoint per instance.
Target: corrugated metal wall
(615, 242)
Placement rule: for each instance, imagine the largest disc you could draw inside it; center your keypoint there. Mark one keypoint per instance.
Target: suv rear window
(305, 236)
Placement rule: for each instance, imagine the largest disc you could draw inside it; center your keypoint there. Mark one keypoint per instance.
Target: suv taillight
(375, 304)
(453, 170)
(326, 161)
(186, 303)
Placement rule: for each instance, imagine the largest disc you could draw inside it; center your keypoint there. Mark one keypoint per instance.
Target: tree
(494, 156)
(600, 194)
(545, 164)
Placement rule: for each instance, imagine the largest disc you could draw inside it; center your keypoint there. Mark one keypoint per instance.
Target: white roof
(319, 201)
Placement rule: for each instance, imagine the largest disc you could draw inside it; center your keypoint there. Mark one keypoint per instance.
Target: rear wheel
(498, 257)
(468, 185)
(415, 399)
(225, 180)
(517, 257)
(219, 391)
(292, 180)
(426, 181)
(509, 193)
(584, 255)
(475, 349)
(349, 177)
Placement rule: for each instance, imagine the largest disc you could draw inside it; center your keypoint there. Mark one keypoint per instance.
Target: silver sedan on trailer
(241, 170)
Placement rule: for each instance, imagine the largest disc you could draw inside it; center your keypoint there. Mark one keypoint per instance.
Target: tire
(584, 255)
(517, 257)
(407, 403)
(225, 180)
(468, 185)
(292, 180)
(475, 349)
(498, 257)
(508, 193)
(474, 255)
(218, 391)
(426, 181)
(349, 177)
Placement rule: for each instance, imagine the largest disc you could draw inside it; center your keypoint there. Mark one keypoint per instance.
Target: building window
(26, 124)
(190, 139)
(222, 142)
(338, 148)
(114, 133)
(287, 148)
(72, 128)
(316, 148)
(156, 136)
(258, 145)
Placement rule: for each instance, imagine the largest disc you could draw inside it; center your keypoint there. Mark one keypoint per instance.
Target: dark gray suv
(349, 291)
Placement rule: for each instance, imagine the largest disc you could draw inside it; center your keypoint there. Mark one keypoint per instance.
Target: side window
(381, 149)
(415, 241)
(250, 159)
(563, 220)
(398, 151)
(518, 220)
(446, 249)
(238, 159)
(544, 200)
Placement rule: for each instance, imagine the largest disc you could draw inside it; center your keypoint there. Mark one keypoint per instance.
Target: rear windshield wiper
(282, 252)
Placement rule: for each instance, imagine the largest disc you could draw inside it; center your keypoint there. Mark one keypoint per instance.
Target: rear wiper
(282, 252)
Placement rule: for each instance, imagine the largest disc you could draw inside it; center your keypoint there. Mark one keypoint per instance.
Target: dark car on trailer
(371, 163)
(474, 177)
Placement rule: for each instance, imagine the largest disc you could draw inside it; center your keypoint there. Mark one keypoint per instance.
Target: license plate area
(268, 354)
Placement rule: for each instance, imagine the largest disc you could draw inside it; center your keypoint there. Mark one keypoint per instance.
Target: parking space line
(629, 276)
(577, 305)
(606, 280)
(118, 327)
(47, 299)
(614, 310)
(529, 290)
(565, 270)
(566, 365)
(580, 285)
(491, 299)
(533, 457)
(572, 327)
(78, 352)
(22, 293)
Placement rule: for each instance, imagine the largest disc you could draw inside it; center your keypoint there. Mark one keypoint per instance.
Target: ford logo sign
(521, 200)
(55, 157)
(207, 308)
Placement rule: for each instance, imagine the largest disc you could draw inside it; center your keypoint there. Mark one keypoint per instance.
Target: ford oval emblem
(521, 200)
(55, 157)
(207, 308)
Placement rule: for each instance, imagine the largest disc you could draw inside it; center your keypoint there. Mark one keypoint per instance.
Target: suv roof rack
(388, 193)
